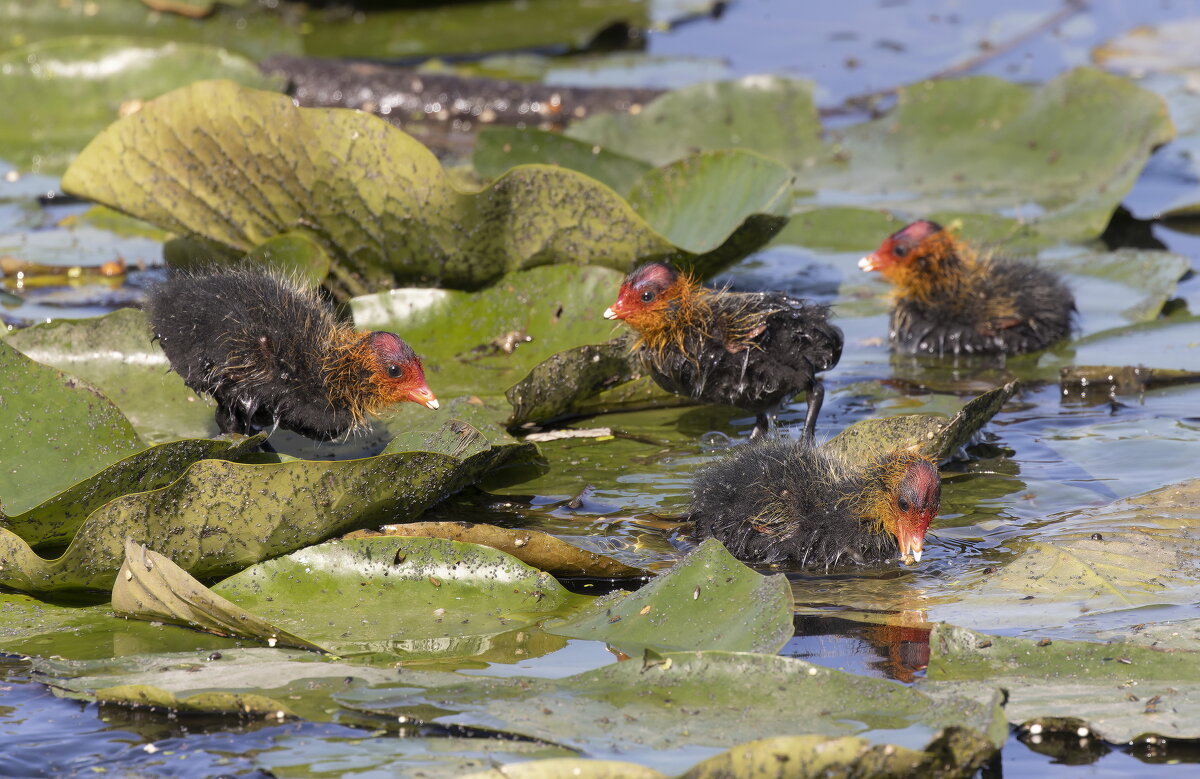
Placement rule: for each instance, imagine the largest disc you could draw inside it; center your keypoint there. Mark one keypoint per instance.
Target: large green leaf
(498, 148)
(238, 167)
(55, 95)
(54, 431)
(1118, 691)
(130, 368)
(1060, 156)
(406, 598)
(219, 517)
(708, 600)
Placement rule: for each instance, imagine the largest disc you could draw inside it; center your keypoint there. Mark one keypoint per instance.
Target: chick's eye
(902, 504)
(393, 371)
(647, 296)
(900, 251)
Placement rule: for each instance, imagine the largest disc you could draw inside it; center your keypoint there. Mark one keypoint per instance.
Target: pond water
(1042, 458)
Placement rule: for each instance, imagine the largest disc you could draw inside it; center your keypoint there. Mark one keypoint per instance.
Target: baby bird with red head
(270, 351)
(751, 350)
(948, 300)
(796, 505)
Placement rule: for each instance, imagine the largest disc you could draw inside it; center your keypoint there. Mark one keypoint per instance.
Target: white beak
(609, 313)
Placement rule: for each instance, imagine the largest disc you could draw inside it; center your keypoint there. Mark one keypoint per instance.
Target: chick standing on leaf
(792, 503)
(753, 350)
(949, 301)
(272, 352)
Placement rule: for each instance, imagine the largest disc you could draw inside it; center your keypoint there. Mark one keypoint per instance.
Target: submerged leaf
(709, 600)
(1118, 691)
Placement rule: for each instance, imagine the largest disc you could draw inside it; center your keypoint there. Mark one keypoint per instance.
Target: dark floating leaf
(1098, 382)
(555, 387)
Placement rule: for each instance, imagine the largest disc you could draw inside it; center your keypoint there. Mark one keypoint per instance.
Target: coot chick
(792, 503)
(272, 352)
(948, 300)
(752, 350)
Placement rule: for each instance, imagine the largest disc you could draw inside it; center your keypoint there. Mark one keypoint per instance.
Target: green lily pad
(482, 342)
(933, 436)
(534, 548)
(1119, 691)
(709, 600)
(130, 368)
(634, 707)
(56, 95)
(218, 517)
(498, 148)
(1101, 382)
(1060, 156)
(271, 166)
(54, 431)
(1103, 284)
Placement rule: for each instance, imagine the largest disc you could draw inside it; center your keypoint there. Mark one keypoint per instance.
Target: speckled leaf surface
(219, 517)
(117, 353)
(483, 342)
(54, 430)
(238, 166)
(1118, 691)
(532, 547)
(400, 598)
(55, 95)
(1060, 156)
(633, 707)
(709, 600)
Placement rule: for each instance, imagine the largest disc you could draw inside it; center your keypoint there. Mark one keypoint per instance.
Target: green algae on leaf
(219, 517)
(1117, 691)
(498, 148)
(556, 387)
(55, 95)
(237, 167)
(709, 600)
(54, 431)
